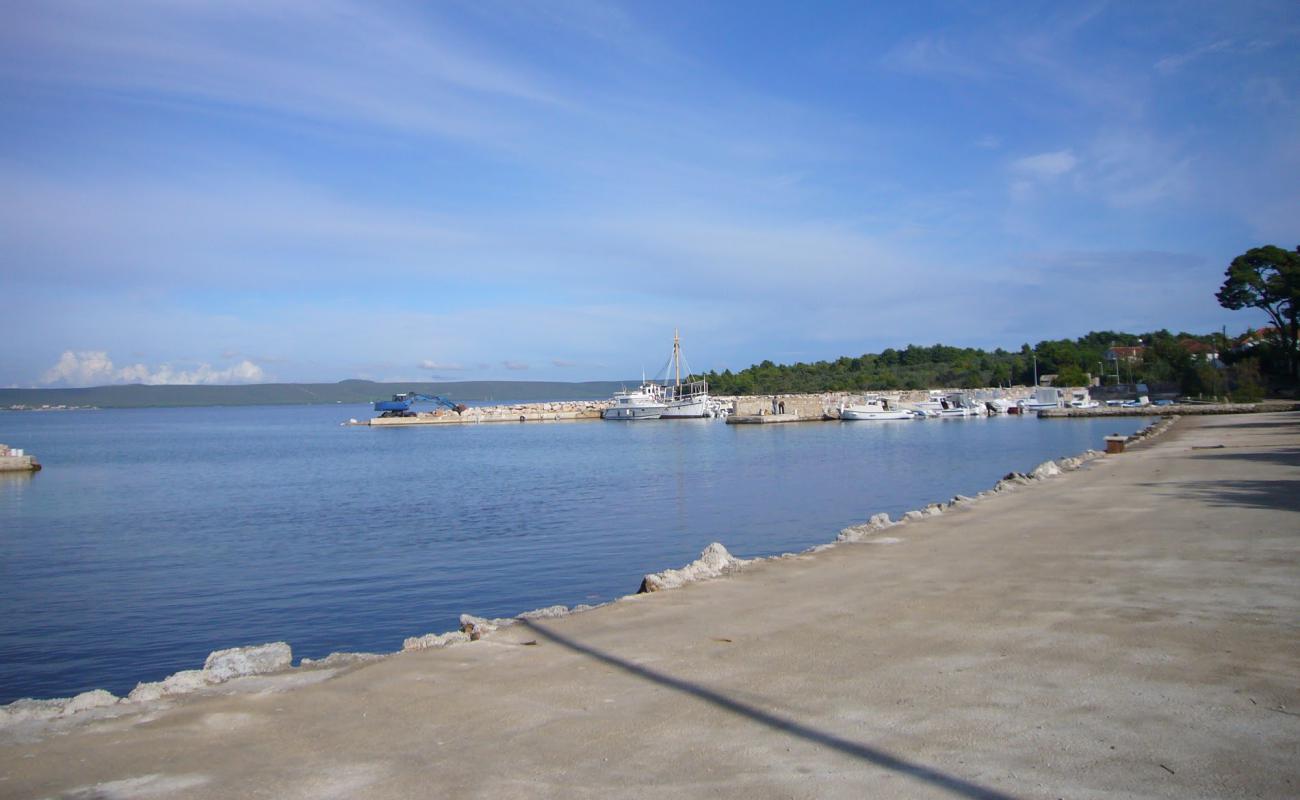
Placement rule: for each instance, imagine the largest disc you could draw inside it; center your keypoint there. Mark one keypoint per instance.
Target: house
(1129, 355)
(1199, 351)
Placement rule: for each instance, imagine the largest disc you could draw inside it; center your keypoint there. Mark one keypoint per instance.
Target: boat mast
(677, 357)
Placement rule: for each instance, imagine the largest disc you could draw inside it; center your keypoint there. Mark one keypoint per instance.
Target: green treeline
(1166, 358)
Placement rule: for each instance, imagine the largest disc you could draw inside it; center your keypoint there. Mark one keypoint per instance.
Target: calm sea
(155, 536)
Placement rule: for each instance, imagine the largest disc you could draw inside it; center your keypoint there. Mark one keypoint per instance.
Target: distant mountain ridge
(348, 391)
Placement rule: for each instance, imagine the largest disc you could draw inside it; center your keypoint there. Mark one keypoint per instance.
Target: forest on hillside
(1165, 358)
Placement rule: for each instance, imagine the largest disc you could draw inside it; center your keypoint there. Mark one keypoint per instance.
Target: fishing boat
(684, 399)
(667, 397)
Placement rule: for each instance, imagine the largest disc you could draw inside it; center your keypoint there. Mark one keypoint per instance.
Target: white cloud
(439, 366)
(1046, 166)
(1171, 64)
(514, 365)
(95, 368)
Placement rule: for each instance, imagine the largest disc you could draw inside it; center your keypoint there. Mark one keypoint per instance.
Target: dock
(768, 419)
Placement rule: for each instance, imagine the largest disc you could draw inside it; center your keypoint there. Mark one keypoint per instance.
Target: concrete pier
(1177, 409)
(1124, 630)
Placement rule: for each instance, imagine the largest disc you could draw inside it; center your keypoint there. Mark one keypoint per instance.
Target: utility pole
(1035, 370)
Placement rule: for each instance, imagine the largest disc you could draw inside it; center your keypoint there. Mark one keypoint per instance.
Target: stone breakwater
(1186, 409)
(269, 667)
(12, 460)
(518, 412)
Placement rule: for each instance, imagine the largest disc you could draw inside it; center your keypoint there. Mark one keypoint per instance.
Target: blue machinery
(400, 405)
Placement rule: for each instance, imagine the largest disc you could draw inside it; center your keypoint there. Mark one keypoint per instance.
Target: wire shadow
(867, 753)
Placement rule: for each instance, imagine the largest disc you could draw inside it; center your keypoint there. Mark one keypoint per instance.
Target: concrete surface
(1128, 630)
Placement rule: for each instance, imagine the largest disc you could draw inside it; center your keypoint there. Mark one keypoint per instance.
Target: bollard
(1115, 444)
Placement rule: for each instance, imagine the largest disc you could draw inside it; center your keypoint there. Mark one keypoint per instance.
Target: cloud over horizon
(95, 368)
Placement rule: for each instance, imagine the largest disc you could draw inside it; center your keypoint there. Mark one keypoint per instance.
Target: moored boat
(874, 408)
(641, 403)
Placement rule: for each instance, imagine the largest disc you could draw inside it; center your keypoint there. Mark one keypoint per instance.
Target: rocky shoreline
(235, 669)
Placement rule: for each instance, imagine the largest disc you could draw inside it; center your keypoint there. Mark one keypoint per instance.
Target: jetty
(1124, 628)
(515, 412)
(16, 460)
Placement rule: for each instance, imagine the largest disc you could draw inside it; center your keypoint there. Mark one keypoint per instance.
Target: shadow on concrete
(867, 753)
(1279, 495)
(1288, 456)
(1290, 422)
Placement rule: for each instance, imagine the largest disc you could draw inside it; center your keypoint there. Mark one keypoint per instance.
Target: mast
(677, 357)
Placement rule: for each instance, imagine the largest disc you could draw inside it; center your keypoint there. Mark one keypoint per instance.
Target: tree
(1070, 375)
(1268, 278)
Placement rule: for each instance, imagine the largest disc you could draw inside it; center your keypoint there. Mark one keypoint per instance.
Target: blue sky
(299, 191)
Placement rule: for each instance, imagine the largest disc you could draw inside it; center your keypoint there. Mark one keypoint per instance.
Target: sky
(314, 190)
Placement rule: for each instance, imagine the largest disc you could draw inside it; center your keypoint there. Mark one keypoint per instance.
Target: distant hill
(265, 394)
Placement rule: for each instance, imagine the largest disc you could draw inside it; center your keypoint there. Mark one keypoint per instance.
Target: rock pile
(714, 561)
(220, 666)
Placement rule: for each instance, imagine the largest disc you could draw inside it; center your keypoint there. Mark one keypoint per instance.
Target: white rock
(550, 612)
(97, 698)
(435, 640)
(913, 516)
(714, 561)
(146, 692)
(854, 533)
(222, 665)
(1047, 469)
(185, 681)
(340, 659)
(27, 709)
(933, 510)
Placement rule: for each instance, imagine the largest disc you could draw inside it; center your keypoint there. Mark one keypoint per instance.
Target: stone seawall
(520, 412)
(16, 461)
(1182, 409)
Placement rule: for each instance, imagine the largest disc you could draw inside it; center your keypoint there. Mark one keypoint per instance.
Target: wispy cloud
(516, 366)
(439, 366)
(1046, 166)
(308, 60)
(1173, 63)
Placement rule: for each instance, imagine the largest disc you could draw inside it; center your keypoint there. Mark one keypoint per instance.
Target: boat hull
(632, 413)
(849, 415)
(694, 408)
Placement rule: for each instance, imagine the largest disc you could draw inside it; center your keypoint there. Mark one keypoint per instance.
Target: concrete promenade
(1128, 630)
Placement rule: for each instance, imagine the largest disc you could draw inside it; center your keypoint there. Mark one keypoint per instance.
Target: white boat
(643, 403)
(1079, 398)
(945, 404)
(874, 408)
(999, 405)
(1044, 397)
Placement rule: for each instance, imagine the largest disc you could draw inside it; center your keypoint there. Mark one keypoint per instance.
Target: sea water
(154, 536)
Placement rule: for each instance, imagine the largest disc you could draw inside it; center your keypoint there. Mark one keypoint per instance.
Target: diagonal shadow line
(876, 756)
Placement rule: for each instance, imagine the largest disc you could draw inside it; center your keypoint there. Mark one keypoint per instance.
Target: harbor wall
(518, 412)
(12, 460)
